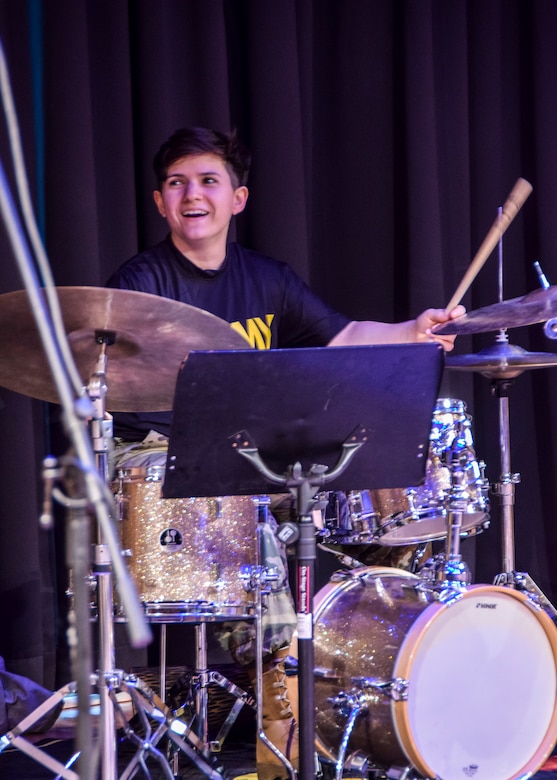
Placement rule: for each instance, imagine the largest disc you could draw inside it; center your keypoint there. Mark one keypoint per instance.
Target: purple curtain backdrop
(385, 136)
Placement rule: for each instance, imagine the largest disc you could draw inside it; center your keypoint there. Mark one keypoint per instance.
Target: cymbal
(536, 306)
(152, 337)
(501, 361)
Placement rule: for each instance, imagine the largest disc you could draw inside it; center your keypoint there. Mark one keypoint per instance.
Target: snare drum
(187, 555)
(460, 688)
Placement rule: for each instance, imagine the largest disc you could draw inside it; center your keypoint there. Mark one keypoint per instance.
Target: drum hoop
(324, 597)
(405, 659)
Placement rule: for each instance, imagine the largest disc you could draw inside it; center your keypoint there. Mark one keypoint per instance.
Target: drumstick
(514, 202)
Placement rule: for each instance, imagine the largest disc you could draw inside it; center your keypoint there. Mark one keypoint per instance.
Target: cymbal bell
(536, 306)
(152, 336)
(501, 361)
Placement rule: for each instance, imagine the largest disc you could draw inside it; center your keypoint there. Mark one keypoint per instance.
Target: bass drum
(455, 689)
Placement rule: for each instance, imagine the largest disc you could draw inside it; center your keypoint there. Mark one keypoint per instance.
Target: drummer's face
(198, 199)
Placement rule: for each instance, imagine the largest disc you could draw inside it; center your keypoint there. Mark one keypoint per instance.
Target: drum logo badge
(171, 540)
(470, 770)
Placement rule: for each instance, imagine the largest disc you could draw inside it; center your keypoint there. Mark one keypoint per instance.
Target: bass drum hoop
(407, 658)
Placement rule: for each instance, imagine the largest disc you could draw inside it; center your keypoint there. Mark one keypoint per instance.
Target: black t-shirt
(260, 297)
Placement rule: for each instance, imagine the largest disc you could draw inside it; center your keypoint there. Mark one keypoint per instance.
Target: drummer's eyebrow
(201, 173)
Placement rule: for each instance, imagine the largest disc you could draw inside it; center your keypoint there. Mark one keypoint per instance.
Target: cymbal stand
(505, 490)
(101, 433)
(109, 679)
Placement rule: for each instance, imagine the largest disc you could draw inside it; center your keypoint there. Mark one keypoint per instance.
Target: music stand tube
(303, 487)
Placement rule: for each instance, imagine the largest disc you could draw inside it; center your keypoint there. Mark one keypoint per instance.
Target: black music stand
(295, 414)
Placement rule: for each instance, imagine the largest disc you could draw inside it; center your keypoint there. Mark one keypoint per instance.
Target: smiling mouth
(194, 214)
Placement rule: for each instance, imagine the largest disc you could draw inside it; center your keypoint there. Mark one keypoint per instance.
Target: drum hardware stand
(76, 473)
(505, 490)
(449, 573)
(352, 706)
(255, 580)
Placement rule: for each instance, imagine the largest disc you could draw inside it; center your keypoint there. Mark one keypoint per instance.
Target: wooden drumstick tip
(517, 196)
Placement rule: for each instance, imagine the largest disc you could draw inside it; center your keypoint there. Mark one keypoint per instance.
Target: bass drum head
(482, 687)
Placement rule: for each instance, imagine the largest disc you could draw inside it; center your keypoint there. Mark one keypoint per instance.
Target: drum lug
(395, 689)
(253, 577)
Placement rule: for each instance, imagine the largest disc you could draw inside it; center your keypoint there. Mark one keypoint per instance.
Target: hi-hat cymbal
(501, 361)
(152, 337)
(536, 306)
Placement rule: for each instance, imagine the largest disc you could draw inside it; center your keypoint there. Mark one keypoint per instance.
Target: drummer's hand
(431, 317)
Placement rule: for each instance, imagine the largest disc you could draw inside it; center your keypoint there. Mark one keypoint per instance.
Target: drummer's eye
(210, 180)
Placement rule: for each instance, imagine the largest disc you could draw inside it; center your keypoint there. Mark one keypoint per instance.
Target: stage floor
(237, 760)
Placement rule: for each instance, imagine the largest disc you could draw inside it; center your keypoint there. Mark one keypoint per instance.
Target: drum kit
(418, 674)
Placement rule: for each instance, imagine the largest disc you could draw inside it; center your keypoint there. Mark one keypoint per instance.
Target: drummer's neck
(207, 255)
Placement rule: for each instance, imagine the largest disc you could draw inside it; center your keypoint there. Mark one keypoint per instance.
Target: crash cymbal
(501, 361)
(152, 337)
(536, 306)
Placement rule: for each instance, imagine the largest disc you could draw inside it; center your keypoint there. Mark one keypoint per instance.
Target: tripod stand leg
(147, 702)
(242, 698)
(15, 738)
(524, 582)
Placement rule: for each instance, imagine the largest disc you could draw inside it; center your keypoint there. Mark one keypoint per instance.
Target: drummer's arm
(418, 330)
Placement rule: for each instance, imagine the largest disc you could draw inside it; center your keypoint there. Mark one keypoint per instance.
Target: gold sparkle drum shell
(187, 555)
(475, 678)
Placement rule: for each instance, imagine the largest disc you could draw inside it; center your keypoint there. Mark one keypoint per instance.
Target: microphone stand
(75, 413)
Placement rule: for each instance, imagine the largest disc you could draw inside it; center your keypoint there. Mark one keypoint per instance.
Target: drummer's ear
(240, 199)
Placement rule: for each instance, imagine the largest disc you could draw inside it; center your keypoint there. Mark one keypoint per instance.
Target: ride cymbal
(501, 361)
(152, 335)
(536, 306)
